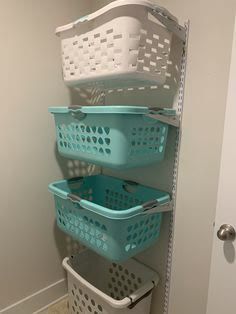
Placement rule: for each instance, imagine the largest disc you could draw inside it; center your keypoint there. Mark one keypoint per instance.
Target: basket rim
(126, 301)
(113, 5)
(100, 210)
(117, 109)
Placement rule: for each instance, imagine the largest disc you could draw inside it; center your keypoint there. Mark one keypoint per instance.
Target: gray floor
(58, 308)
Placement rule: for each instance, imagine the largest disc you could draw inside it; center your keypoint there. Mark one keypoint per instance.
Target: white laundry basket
(122, 44)
(98, 286)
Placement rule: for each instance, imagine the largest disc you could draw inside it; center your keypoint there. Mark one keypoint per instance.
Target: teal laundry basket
(111, 136)
(115, 218)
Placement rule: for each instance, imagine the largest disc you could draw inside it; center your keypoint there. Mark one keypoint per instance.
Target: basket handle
(75, 179)
(154, 207)
(133, 304)
(130, 186)
(74, 108)
(74, 198)
(76, 112)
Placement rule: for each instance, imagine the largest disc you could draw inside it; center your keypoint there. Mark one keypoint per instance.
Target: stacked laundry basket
(126, 43)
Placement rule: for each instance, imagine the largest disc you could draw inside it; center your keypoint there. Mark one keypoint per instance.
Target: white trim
(38, 300)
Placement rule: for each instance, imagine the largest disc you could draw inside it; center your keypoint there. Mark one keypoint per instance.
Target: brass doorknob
(226, 233)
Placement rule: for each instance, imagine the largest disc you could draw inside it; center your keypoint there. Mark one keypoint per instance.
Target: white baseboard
(38, 300)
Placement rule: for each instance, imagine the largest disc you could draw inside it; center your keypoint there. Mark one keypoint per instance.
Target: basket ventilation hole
(117, 201)
(100, 52)
(94, 139)
(87, 139)
(100, 141)
(100, 131)
(84, 304)
(118, 36)
(147, 229)
(147, 140)
(122, 282)
(107, 130)
(83, 226)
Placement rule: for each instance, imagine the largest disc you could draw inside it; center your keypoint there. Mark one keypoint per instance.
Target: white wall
(30, 82)
(210, 44)
(206, 89)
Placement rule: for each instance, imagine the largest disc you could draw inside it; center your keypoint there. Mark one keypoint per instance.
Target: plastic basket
(113, 136)
(97, 286)
(115, 218)
(122, 44)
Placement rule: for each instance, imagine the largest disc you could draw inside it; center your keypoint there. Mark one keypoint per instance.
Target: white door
(222, 289)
